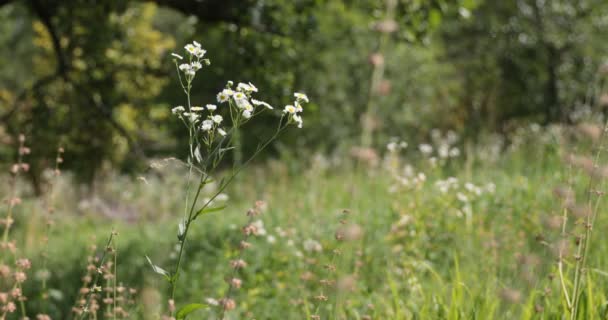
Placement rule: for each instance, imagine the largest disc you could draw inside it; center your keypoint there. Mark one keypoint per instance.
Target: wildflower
(9, 307)
(246, 114)
(221, 132)
(236, 283)
(238, 264)
(196, 44)
(197, 108)
(301, 96)
(217, 119)
(289, 109)
(222, 97)
(298, 106)
(184, 67)
(298, 120)
(239, 96)
(211, 107)
(454, 152)
(196, 65)
(228, 304)
(191, 49)
(177, 56)
(207, 125)
(425, 148)
(193, 117)
(244, 87)
(212, 302)
(261, 103)
(20, 277)
(24, 264)
(311, 245)
(271, 239)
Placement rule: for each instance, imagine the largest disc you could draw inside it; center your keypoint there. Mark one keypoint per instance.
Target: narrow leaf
(158, 269)
(188, 309)
(208, 210)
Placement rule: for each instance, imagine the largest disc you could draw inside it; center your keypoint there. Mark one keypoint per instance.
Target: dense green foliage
(95, 78)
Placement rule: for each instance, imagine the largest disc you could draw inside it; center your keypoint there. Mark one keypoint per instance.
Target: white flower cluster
(195, 59)
(242, 98)
(294, 110)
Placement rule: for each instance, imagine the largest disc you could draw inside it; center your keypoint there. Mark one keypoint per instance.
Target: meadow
(309, 159)
(408, 232)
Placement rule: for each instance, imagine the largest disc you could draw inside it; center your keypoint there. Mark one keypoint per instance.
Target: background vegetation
(502, 91)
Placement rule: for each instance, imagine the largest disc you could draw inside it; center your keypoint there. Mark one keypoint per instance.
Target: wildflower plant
(212, 130)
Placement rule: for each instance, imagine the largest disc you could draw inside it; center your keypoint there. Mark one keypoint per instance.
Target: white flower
(197, 108)
(462, 197)
(312, 245)
(192, 116)
(298, 106)
(425, 148)
(190, 49)
(222, 97)
(244, 87)
(271, 239)
(239, 96)
(185, 66)
(199, 53)
(196, 44)
(217, 119)
(177, 56)
(261, 103)
(247, 114)
(289, 109)
(178, 110)
(301, 96)
(196, 65)
(213, 302)
(243, 104)
(207, 125)
(211, 107)
(221, 132)
(298, 120)
(454, 152)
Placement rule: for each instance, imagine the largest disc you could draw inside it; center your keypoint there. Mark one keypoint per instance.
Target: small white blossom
(178, 110)
(244, 87)
(289, 109)
(244, 104)
(217, 119)
(301, 96)
(207, 125)
(185, 66)
(177, 56)
(298, 120)
(221, 132)
(311, 245)
(197, 109)
(271, 239)
(239, 96)
(196, 44)
(426, 148)
(211, 107)
(298, 106)
(191, 49)
(261, 103)
(196, 65)
(246, 114)
(222, 97)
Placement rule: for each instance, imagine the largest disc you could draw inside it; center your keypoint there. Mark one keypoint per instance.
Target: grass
(472, 252)
(418, 253)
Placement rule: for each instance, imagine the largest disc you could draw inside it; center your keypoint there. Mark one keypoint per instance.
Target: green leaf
(159, 270)
(208, 210)
(188, 309)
